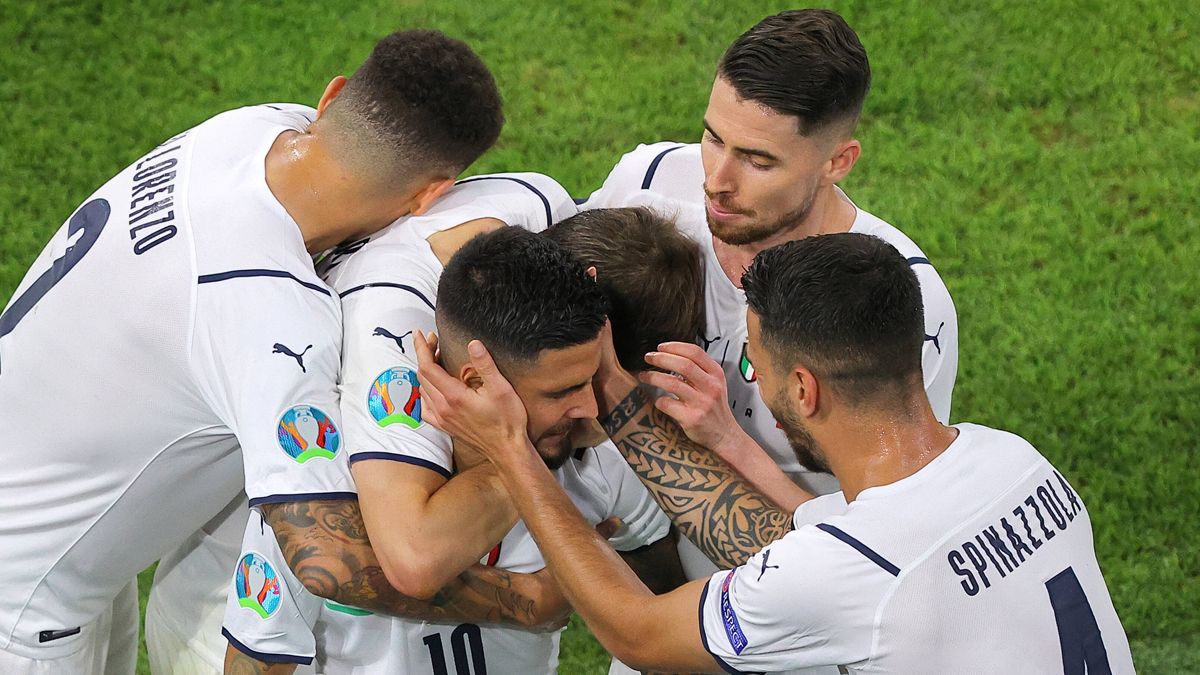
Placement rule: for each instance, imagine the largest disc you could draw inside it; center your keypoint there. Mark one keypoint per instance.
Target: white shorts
(106, 646)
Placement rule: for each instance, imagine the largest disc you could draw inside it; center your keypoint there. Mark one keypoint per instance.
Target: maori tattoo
(237, 663)
(326, 545)
(708, 501)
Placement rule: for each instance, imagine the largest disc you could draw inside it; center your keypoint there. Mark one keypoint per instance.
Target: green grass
(1044, 155)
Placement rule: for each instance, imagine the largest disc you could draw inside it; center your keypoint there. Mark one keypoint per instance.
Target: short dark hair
(520, 294)
(846, 306)
(650, 272)
(807, 63)
(422, 101)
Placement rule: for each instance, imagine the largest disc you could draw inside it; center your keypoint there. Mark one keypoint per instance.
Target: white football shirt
(669, 178)
(174, 318)
(981, 562)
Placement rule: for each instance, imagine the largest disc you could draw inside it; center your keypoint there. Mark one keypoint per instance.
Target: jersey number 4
(88, 222)
(466, 636)
(1082, 647)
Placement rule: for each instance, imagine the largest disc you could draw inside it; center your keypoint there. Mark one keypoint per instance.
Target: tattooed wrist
(625, 411)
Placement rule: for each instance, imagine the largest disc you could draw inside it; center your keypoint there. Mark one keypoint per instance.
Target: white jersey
(175, 317)
(981, 562)
(669, 178)
(388, 287)
(270, 616)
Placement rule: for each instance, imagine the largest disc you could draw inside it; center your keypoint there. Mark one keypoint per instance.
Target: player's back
(981, 562)
(116, 448)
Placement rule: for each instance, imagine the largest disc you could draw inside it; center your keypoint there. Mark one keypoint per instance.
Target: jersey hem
(704, 636)
(301, 497)
(404, 459)
(263, 656)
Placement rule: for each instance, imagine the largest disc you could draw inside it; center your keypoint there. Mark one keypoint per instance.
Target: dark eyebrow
(753, 152)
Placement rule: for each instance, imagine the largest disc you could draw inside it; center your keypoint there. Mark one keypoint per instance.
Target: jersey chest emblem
(280, 348)
(395, 397)
(306, 432)
(745, 367)
(257, 585)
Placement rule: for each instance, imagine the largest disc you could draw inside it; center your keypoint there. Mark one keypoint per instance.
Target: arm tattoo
(657, 564)
(708, 501)
(326, 545)
(237, 663)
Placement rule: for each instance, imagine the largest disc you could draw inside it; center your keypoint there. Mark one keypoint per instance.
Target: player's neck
(879, 449)
(831, 212)
(298, 173)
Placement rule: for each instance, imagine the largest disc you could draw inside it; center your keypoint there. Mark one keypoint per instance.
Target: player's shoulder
(666, 168)
(530, 200)
(868, 223)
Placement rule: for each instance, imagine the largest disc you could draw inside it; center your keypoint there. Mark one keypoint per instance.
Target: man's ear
(469, 376)
(805, 391)
(423, 200)
(331, 92)
(845, 155)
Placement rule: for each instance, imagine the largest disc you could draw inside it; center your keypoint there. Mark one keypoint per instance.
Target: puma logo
(383, 332)
(934, 338)
(708, 343)
(765, 566)
(281, 348)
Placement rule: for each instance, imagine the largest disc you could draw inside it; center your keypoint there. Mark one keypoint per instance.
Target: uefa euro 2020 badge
(257, 585)
(306, 432)
(395, 397)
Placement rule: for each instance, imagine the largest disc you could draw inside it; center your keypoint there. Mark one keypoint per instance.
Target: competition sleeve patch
(257, 585)
(395, 396)
(305, 432)
(733, 630)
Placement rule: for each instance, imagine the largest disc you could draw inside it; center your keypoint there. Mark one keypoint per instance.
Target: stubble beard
(804, 447)
(755, 231)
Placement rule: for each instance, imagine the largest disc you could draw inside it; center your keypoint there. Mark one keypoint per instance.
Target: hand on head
(490, 417)
(698, 398)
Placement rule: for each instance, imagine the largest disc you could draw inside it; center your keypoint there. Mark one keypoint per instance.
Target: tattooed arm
(326, 545)
(710, 504)
(657, 564)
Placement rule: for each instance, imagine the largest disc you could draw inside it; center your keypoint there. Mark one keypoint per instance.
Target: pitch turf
(1045, 155)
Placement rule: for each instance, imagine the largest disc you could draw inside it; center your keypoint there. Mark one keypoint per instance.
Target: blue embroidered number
(1082, 647)
(465, 636)
(89, 220)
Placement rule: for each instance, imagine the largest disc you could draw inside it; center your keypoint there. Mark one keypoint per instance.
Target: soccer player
(172, 344)
(951, 549)
(778, 137)
(509, 285)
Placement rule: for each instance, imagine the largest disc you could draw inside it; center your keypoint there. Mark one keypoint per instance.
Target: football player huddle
(377, 419)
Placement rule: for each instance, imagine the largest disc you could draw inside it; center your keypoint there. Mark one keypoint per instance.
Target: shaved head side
(422, 104)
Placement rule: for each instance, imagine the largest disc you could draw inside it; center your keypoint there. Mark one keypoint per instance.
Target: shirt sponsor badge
(257, 585)
(395, 397)
(306, 431)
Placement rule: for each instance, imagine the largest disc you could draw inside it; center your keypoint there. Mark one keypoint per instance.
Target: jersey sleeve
(642, 522)
(939, 354)
(266, 352)
(797, 603)
(381, 396)
(819, 508)
(635, 171)
(268, 613)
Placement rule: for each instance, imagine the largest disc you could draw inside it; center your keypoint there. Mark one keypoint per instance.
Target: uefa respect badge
(305, 432)
(395, 397)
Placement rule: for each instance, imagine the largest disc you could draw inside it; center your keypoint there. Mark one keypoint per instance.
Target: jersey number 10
(464, 636)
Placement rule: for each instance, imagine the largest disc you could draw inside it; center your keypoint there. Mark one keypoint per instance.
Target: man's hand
(490, 417)
(700, 400)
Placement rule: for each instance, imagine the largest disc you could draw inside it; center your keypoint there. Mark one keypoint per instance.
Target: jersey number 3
(88, 222)
(1082, 647)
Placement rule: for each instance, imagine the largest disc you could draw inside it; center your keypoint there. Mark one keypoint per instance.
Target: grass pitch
(1043, 154)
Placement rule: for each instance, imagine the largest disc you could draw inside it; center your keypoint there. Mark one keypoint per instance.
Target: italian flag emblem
(745, 366)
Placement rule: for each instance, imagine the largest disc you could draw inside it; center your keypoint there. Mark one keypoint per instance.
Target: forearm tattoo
(326, 545)
(709, 502)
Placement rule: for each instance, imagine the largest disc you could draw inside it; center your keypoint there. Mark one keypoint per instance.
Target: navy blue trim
(545, 202)
(238, 274)
(579, 201)
(403, 459)
(704, 636)
(302, 497)
(919, 261)
(263, 656)
(654, 166)
(861, 548)
(388, 284)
